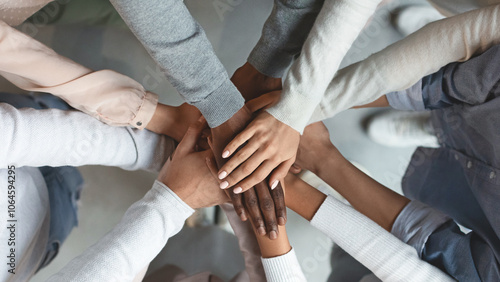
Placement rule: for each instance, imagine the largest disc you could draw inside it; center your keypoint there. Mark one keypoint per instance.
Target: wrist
(332, 160)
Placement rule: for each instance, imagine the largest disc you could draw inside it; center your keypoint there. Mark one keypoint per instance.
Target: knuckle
(257, 220)
(251, 202)
(246, 169)
(267, 205)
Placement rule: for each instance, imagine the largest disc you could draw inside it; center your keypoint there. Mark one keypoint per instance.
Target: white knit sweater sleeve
(284, 268)
(141, 234)
(386, 256)
(336, 27)
(404, 63)
(58, 138)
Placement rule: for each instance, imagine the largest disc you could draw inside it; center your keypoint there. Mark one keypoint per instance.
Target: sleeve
(337, 26)
(54, 137)
(122, 253)
(180, 47)
(106, 95)
(385, 255)
(283, 35)
(284, 268)
(439, 241)
(404, 63)
(407, 100)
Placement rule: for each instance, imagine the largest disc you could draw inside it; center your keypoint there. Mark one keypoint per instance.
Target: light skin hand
(188, 174)
(173, 121)
(267, 147)
(265, 220)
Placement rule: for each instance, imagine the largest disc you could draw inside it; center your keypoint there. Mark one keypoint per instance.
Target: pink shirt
(110, 97)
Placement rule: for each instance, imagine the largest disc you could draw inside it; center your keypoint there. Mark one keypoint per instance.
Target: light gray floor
(110, 191)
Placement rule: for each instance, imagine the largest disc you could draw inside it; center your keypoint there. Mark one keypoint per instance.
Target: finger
(232, 173)
(263, 102)
(255, 178)
(278, 195)
(189, 140)
(252, 206)
(239, 140)
(210, 161)
(237, 200)
(267, 209)
(241, 156)
(280, 172)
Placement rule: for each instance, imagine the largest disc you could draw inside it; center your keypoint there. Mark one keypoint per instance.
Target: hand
(173, 121)
(314, 146)
(264, 101)
(271, 145)
(265, 217)
(251, 83)
(188, 174)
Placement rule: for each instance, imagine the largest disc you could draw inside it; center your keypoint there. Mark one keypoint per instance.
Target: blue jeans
(64, 184)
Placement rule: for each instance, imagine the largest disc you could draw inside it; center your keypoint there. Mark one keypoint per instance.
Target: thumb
(263, 101)
(188, 142)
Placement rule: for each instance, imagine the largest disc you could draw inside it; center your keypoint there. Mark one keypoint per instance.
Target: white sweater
(336, 27)
(385, 255)
(57, 138)
(402, 64)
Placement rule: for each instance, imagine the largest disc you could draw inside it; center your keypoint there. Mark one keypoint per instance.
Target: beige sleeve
(106, 95)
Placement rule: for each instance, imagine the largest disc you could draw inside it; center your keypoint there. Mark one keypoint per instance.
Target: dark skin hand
(265, 207)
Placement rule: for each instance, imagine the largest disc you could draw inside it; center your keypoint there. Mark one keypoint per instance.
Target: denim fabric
(462, 178)
(64, 184)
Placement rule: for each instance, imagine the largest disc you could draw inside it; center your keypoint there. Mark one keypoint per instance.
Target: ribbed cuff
(284, 268)
(173, 200)
(416, 222)
(221, 104)
(270, 60)
(407, 100)
(146, 111)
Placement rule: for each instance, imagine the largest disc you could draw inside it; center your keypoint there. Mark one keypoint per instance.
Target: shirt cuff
(270, 60)
(283, 268)
(173, 200)
(409, 99)
(221, 104)
(416, 222)
(146, 111)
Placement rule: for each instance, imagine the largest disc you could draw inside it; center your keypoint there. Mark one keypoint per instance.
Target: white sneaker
(402, 129)
(412, 18)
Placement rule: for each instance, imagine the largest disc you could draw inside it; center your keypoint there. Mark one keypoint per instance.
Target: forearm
(123, 252)
(59, 138)
(179, 45)
(337, 26)
(366, 195)
(106, 95)
(404, 63)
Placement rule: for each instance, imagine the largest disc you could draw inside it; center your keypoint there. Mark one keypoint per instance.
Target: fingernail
(273, 235)
(281, 221)
(222, 175)
(237, 190)
(261, 230)
(275, 183)
(224, 185)
(243, 217)
(225, 154)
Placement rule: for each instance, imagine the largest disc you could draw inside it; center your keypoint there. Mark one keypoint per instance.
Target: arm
(58, 138)
(106, 95)
(179, 45)
(410, 60)
(129, 247)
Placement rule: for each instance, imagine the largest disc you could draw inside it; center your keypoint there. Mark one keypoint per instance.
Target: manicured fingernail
(222, 175)
(225, 154)
(281, 221)
(237, 190)
(273, 235)
(224, 185)
(275, 183)
(261, 230)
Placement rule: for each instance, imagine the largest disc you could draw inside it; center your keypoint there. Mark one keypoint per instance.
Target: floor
(110, 191)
